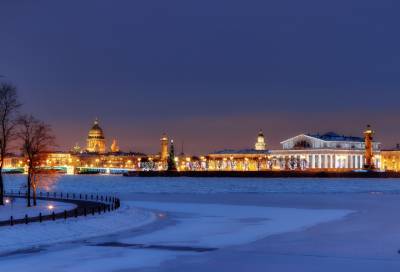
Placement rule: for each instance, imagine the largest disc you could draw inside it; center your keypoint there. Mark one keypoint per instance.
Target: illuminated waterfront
(328, 152)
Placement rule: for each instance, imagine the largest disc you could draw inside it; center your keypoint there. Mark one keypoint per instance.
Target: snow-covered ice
(39, 234)
(196, 225)
(255, 224)
(125, 186)
(213, 225)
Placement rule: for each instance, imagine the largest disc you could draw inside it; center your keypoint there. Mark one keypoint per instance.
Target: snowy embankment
(195, 225)
(17, 208)
(36, 234)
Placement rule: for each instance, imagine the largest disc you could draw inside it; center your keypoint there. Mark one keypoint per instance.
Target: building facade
(260, 145)
(96, 142)
(328, 151)
(391, 159)
(304, 152)
(312, 152)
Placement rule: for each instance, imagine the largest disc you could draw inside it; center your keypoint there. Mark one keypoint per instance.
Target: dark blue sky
(210, 73)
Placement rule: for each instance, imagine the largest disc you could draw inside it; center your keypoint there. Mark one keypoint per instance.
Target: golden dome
(96, 142)
(96, 132)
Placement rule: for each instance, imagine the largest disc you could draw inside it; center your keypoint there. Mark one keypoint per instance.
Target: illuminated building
(260, 144)
(391, 159)
(95, 159)
(96, 142)
(164, 148)
(239, 160)
(12, 161)
(89, 161)
(114, 147)
(311, 152)
(327, 152)
(59, 159)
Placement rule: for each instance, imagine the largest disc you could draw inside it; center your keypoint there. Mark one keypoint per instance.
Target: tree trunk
(28, 195)
(1, 187)
(34, 196)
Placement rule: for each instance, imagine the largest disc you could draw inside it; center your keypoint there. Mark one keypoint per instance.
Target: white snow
(215, 225)
(38, 234)
(88, 258)
(215, 221)
(18, 209)
(201, 225)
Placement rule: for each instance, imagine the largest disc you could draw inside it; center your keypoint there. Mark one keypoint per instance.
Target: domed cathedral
(96, 142)
(260, 144)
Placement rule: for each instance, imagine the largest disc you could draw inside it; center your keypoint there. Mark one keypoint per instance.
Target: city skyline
(180, 146)
(209, 74)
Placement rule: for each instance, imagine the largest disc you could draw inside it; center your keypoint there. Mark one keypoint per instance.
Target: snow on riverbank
(36, 234)
(17, 208)
(195, 225)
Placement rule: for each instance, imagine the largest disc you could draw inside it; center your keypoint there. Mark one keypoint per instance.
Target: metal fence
(87, 205)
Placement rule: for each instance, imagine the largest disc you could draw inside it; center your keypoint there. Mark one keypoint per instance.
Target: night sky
(209, 73)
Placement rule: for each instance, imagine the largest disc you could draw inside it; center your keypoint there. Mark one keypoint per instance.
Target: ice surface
(307, 225)
(196, 225)
(124, 186)
(214, 225)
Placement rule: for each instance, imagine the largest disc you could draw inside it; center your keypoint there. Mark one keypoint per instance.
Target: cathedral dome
(96, 142)
(96, 132)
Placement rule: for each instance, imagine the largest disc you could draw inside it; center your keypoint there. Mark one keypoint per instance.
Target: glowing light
(50, 207)
(162, 215)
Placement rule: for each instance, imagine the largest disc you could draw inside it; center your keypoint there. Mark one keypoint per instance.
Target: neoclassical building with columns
(327, 151)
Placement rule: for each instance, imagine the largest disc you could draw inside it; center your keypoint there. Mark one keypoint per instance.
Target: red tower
(369, 155)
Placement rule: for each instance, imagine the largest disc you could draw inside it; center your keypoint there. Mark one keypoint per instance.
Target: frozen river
(194, 224)
(125, 186)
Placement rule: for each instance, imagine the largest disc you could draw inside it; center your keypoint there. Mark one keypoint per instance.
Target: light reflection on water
(119, 184)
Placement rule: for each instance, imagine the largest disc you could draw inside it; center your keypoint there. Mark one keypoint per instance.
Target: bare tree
(9, 106)
(36, 138)
(42, 178)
